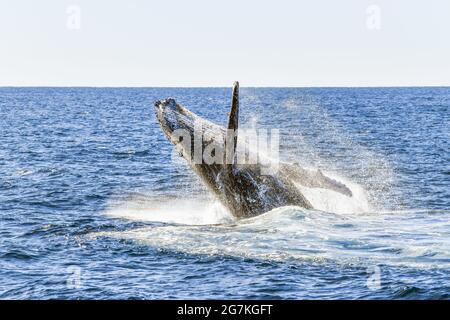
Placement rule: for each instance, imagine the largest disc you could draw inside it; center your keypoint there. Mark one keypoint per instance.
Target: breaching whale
(240, 187)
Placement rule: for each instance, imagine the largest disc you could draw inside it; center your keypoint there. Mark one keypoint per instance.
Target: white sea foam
(189, 211)
(343, 230)
(291, 234)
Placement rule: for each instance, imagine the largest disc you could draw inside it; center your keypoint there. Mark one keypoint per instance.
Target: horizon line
(226, 86)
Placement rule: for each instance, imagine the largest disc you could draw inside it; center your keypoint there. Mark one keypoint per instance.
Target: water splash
(365, 166)
(335, 202)
(200, 211)
(294, 234)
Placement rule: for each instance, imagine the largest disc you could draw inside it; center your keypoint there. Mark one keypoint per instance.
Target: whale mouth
(180, 126)
(170, 116)
(167, 103)
(163, 108)
(176, 120)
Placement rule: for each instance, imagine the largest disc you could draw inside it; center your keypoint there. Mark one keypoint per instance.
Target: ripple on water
(87, 179)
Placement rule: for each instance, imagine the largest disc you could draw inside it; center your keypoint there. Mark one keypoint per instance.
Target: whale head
(190, 134)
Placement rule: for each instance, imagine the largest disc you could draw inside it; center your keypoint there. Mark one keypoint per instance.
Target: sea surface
(94, 203)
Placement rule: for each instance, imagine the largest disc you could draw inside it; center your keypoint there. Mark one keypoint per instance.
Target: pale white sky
(213, 43)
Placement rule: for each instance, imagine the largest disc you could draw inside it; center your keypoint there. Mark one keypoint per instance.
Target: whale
(245, 189)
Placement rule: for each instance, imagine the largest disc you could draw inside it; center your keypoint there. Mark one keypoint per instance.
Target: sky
(211, 43)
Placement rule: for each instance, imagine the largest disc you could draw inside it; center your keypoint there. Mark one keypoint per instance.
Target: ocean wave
(202, 226)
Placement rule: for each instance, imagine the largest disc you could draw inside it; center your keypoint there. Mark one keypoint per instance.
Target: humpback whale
(243, 188)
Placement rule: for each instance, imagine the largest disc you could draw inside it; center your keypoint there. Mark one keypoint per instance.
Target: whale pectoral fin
(234, 112)
(315, 179)
(232, 127)
(332, 184)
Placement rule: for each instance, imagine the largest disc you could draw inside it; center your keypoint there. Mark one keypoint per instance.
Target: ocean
(95, 204)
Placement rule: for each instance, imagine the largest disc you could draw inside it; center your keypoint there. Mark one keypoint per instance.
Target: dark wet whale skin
(242, 188)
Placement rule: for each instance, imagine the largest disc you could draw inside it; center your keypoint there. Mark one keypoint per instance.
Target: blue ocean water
(94, 204)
